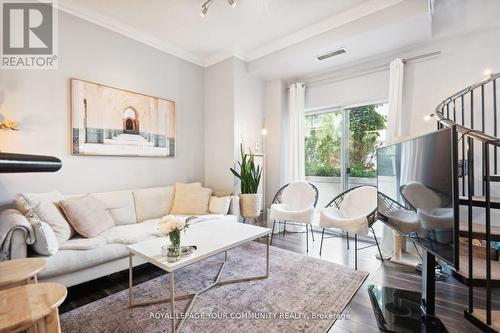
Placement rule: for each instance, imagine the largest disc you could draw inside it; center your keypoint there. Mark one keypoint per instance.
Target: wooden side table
(29, 306)
(20, 271)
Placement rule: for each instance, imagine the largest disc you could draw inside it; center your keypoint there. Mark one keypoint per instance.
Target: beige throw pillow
(191, 199)
(219, 205)
(44, 207)
(87, 215)
(154, 202)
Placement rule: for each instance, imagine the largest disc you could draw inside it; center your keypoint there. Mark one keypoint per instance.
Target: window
(340, 147)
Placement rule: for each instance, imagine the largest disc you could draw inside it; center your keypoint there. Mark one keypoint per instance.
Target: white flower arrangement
(170, 223)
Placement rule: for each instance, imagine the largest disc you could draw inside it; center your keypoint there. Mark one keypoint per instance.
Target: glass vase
(174, 249)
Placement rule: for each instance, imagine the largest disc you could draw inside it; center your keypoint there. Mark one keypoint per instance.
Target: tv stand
(399, 310)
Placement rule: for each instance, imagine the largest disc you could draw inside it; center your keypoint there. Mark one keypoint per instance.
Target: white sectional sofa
(136, 214)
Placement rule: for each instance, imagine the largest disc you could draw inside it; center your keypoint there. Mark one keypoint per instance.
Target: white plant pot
(250, 205)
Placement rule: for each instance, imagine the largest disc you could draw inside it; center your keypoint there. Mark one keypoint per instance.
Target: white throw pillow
(191, 199)
(44, 207)
(219, 205)
(45, 240)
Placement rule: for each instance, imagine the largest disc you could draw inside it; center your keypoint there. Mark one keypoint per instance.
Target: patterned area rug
(302, 294)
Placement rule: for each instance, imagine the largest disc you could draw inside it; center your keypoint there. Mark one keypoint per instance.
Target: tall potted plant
(249, 176)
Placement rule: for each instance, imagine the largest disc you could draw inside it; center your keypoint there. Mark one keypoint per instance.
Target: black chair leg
(321, 245)
(355, 251)
(284, 228)
(378, 246)
(347, 238)
(312, 231)
(272, 232)
(307, 239)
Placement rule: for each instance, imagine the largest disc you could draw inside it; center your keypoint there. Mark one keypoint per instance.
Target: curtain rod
(373, 69)
(421, 56)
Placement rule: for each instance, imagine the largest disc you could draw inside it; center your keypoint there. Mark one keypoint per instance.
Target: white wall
(234, 115)
(40, 101)
(249, 106)
(275, 141)
(219, 125)
(462, 63)
(367, 88)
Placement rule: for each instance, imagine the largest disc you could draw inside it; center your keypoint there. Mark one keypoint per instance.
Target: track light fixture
(206, 5)
(204, 8)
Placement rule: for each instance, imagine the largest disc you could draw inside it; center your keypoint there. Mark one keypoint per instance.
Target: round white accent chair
(353, 211)
(295, 203)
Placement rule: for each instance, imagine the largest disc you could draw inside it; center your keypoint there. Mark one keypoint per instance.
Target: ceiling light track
(206, 5)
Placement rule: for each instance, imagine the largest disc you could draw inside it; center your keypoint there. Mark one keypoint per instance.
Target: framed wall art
(115, 122)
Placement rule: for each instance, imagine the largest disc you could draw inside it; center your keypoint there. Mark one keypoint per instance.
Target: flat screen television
(418, 191)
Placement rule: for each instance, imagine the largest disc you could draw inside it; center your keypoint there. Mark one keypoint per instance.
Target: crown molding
(128, 31)
(333, 22)
(223, 55)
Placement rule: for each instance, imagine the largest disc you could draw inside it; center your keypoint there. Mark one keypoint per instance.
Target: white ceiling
(397, 27)
(252, 30)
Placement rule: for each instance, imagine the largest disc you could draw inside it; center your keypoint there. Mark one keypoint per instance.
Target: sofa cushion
(190, 199)
(69, 261)
(87, 215)
(44, 207)
(154, 202)
(219, 205)
(120, 205)
(132, 233)
(45, 239)
(80, 243)
(210, 217)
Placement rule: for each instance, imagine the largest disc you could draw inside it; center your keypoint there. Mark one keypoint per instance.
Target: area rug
(302, 294)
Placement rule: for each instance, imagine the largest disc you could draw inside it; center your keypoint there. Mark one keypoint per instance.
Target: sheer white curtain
(394, 131)
(394, 117)
(295, 149)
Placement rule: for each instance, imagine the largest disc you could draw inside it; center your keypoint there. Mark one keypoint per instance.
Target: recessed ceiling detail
(256, 29)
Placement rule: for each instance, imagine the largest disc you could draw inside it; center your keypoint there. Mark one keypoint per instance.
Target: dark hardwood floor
(451, 295)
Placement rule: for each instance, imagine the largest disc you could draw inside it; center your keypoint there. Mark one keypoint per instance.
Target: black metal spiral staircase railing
(474, 113)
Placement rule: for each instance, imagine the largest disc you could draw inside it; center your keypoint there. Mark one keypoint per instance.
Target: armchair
(295, 203)
(355, 211)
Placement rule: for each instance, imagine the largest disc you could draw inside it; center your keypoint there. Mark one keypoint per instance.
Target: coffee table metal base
(217, 282)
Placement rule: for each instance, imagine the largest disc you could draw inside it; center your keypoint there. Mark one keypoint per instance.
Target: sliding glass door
(323, 152)
(366, 133)
(340, 147)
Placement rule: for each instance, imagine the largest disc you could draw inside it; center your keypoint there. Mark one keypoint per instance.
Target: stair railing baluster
(488, 234)
(495, 125)
(483, 122)
(470, 185)
(472, 109)
(454, 110)
(463, 147)
(471, 165)
(483, 128)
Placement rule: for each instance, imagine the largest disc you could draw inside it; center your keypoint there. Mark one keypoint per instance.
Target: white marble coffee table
(211, 238)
